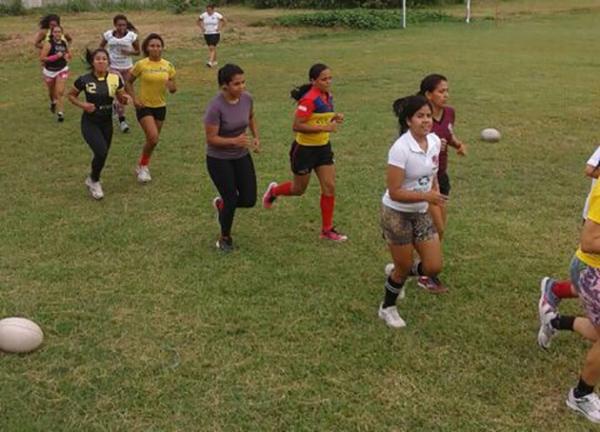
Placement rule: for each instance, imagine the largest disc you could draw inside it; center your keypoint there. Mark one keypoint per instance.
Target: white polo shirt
(594, 160)
(211, 22)
(419, 167)
(115, 45)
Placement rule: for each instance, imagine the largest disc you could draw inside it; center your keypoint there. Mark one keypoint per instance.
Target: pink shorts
(51, 76)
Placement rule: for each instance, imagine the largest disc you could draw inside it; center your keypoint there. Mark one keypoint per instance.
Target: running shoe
(589, 405)
(547, 311)
(431, 284)
(124, 126)
(143, 173)
(391, 317)
(217, 204)
(60, 117)
(389, 268)
(225, 244)
(95, 188)
(208, 64)
(268, 198)
(333, 235)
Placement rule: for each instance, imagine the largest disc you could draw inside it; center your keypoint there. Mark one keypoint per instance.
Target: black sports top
(100, 92)
(55, 48)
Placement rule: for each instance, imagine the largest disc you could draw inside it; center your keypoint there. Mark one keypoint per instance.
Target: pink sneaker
(332, 234)
(268, 198)
(433, 285)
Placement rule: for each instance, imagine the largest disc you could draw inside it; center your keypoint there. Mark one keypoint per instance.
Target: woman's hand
(242, 140)
(461, 148)
(171, 86)
(444, 144)
(338, 118)
(436, 198)
(331, 127)
(88, 107)
(138, 103)
(125, 99)
(255, 145)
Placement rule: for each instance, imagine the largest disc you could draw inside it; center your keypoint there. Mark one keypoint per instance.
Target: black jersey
(55, 48)
(100, 92)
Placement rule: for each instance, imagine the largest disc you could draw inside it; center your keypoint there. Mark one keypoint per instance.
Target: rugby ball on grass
(490, 135)
(19, 335)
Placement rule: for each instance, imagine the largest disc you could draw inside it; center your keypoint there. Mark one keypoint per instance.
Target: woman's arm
(38, 42)
(301, 126)
(200, 23)
(44, 57)
(222, 23)
(171, 85)
(592, 171)
(213, 138)
(395, 178)
(461, 147)
(136, 48)
(130, 89)
(74, 99)
(590, 237)
(103, 42)
(254, 129)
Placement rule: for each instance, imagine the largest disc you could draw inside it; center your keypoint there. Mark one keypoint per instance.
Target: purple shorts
(586, 280)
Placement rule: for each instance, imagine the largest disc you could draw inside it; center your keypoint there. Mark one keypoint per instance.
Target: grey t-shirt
(232, 120)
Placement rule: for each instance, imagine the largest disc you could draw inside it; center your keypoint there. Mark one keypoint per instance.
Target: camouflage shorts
(400, 228)
(586, 280)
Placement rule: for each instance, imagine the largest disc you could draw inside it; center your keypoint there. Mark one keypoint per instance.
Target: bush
(366, 19)
(335, 4)
(15, 7)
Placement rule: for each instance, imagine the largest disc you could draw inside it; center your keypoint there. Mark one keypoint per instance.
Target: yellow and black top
(153, 80)
(317, 108)
(100, 92)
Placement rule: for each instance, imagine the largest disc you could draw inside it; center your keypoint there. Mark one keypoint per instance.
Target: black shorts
(158, 113)
(304, 159)
(444, 182)
(212, 39)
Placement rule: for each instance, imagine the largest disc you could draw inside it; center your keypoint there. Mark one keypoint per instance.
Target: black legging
(235, 180)
(98, 135)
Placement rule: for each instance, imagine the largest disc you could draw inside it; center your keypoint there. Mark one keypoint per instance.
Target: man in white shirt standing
(211, 22)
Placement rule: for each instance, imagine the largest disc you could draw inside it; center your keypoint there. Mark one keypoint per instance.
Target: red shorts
(50, 77)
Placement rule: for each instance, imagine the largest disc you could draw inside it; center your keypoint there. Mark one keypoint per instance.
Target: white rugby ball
(490, 135)
(19, 335)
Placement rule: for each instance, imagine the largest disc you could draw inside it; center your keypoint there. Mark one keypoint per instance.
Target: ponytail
(406, 107)
(430, 83)
(313, 73)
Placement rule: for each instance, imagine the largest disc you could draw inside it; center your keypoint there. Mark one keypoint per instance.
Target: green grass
(149, 329)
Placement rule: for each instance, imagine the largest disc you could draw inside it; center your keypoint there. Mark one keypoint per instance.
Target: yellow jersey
(317, 109)
(593, 260)
(153, 77)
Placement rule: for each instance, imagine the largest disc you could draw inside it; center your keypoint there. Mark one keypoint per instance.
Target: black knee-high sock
(563, 322)
(417, 269)
(392, 290)
(582, 389)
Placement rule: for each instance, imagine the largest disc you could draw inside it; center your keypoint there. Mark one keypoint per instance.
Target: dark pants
(98, 136)
(235, 180)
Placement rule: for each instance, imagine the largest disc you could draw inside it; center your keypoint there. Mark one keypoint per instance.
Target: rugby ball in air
(490, 135)
(19, 335)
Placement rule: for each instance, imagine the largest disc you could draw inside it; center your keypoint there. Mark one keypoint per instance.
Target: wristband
(52, 58)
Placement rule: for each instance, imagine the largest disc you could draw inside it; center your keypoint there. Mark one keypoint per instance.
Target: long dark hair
(406, 107)
(45, 21)
(227, 72)
(313, 73)
(121, 17)
(89, 56)
(147, 41)
(430, 83)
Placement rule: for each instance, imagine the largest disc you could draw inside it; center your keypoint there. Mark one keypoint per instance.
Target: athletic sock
(144, 160)
(282, 189)
(327, 206)
(563, 289)
(417, 269)
(121, 119)
(392, 291)
(582, 389)
(563, 322)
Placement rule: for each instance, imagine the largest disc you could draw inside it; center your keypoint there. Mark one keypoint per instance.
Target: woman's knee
(246, 201)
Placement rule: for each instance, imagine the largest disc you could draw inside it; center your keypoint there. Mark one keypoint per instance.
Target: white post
(468, 11)
(403, 14)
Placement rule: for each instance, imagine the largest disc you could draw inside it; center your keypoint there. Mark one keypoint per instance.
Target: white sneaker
(124, 126)
(143, 173)
(546, 313)
(95, 189)
(391, 317)
(389, 268)
(589, 405)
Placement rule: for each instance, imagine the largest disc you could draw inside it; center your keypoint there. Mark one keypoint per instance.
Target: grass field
(149, 329)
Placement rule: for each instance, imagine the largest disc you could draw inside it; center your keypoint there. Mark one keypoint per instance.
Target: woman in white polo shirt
(211, 22)
(411, 186)
(121, 43)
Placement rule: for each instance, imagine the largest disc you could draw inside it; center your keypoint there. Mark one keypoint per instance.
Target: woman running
(585, 277)
(121, 43)
(411, 188)
(54, 57)
(314, 120)
(100, 87)
(228, 116)
(156, 76)
(435, 88)
(47, 23)
(211, 23)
